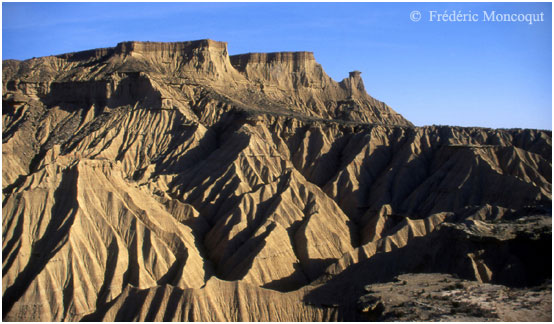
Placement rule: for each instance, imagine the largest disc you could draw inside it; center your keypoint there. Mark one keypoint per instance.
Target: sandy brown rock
(171, 181)
(79, 235)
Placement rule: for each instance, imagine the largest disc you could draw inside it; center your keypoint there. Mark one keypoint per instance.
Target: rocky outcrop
(440, 297)
(151, 181)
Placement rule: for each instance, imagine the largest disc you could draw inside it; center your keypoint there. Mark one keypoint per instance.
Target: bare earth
(171, 181)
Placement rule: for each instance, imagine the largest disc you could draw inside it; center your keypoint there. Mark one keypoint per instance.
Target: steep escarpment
(280, 75)
(281, 70)
(171, 181)
(281, 83)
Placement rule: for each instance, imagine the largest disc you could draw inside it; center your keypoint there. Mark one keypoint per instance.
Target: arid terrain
(171, 181)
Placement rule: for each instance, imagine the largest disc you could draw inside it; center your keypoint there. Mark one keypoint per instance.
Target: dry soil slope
(152, 169)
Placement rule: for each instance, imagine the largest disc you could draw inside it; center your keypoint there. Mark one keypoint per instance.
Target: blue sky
(491, 74)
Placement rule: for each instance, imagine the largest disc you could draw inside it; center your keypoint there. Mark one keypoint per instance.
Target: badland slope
(171, 181)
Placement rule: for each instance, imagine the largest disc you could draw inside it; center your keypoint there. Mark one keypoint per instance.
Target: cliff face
(282, 83)
(286, 70)
(169, 181)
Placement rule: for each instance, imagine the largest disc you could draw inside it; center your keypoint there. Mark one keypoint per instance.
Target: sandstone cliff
(171, 181)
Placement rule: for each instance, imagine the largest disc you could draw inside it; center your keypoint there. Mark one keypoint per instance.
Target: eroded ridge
(171, 181)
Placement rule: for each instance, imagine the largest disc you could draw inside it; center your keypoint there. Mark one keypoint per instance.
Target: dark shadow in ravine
(111, 265)
(241, 261)
(133, 302)
(205, 159)
(263, 210)
(155, 304)
(519, 262)
(11, 247)
(296, 280)
(174, 301)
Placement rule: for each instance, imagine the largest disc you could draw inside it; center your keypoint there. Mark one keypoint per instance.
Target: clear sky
(467, 73)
